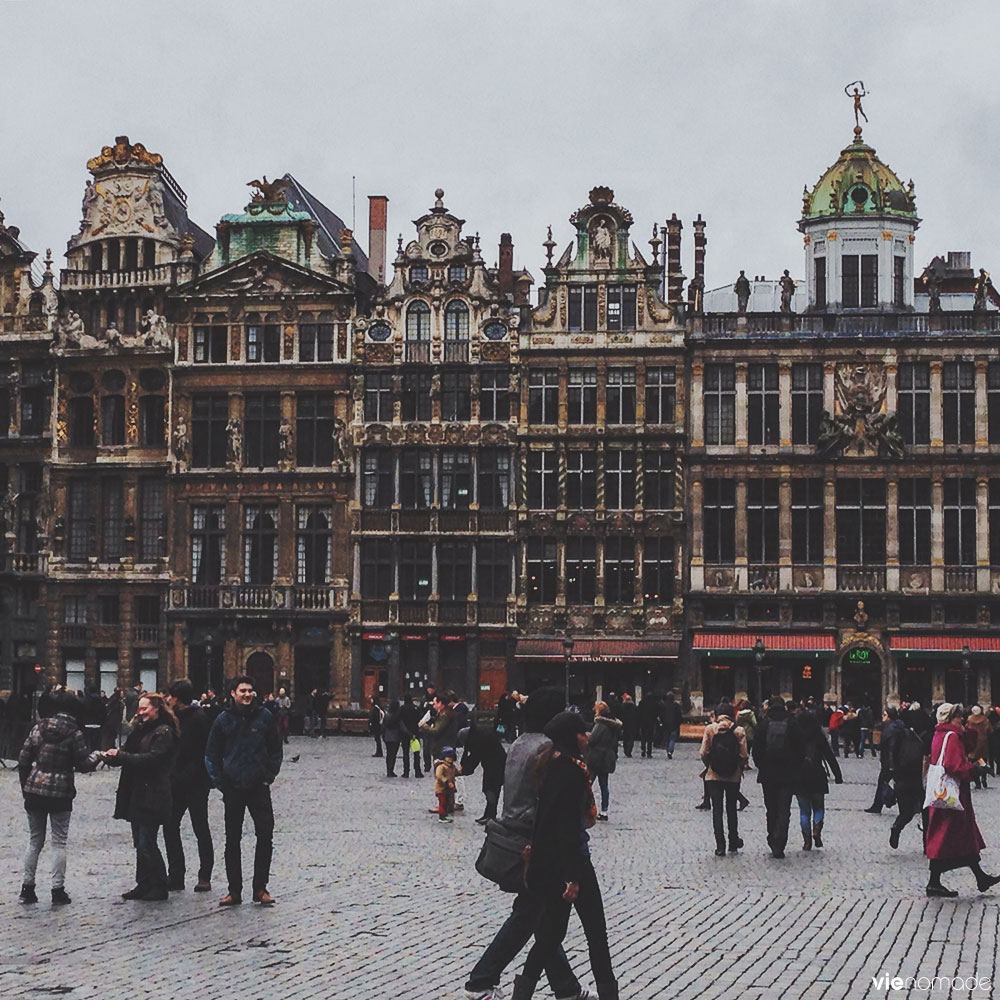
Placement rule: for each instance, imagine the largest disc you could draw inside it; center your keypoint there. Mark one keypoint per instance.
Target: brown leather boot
(807, 841)
(818, 834)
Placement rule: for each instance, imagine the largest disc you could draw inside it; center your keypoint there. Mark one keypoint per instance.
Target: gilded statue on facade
(856, 94)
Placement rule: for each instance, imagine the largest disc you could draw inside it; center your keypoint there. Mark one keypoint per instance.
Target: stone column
(697, 535)
(741, 531)
(982, 408)
(892, 535)
(830, 535)
(891, 388)
(741, 405)
(785, 529)
(697, 406)
(937, 520)
(937, 415)
(785, 403)
(982, 533)
(829, 371)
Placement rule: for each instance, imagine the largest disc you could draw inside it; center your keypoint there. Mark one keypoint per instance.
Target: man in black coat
(671, 718)
(189, 786)
(628, 713)
(484, 746)
(648, 711)
(777, 750)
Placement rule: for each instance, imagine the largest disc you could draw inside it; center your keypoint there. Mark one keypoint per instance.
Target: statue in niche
(742, 289)
(601, 239)
(156, 329)
(182, 441)
(235, 431)
(932, 284)
(341, 443)
(787, 285)
(285, 443)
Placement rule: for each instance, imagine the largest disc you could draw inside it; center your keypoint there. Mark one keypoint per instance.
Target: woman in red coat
(953, 839)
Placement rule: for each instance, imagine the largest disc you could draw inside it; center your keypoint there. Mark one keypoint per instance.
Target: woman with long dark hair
(559, 872)
(144, 791)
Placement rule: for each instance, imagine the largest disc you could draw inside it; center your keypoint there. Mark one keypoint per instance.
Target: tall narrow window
(807, 402)
(263, 339)
(581, 570)
(456, 479)
(81, 422)
(494, 479)
(720, 404)
(377, 569)
(316, 337)
(994, 521)
(993, 400)
(619, 479)
(208, 543)
(416, 479)
(377, 478)
(581, 480)
(80, 523)
(492, 570)
(414, 570)
(661, 395)
(860, 522)
(152, 516)
(494, 394)
(456, 331)
(819, 270)
(959, 522)
(658, 479)
(313, 545)
(762, 521)
(581, 395)
(807, 521)
(898, 282)
(378, 396)
(914, 402)
(260, 543)
(113, 420)
(542, 567)
(619, 569)
(762, 404)
(112, 519)
(620, 394)
(860, 280)
(583, 307)
(454, 561)
(958, 398)
(416, 398)
(914, 513)
(260, 427)
(658, 569)
(456, 396)
(621, 307)
(418, 331)
(151, 421)
(543, 396)
(314, 429)
(718, 514)
(542, 480)
(211, 340)
(209, 415)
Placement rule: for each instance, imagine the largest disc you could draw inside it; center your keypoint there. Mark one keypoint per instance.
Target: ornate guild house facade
(267, 452)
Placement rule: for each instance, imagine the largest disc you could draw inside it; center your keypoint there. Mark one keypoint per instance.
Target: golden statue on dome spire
(856, 94)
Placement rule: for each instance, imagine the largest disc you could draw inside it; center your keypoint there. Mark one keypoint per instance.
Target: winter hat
(725, 709)
(977, 710)
(564, 729)
(944, 711)
(447, 752)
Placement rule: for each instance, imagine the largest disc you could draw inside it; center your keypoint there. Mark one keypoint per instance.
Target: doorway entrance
(861, 678)
(260, 669)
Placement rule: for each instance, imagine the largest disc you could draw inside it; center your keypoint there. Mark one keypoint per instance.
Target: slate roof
(328, 223)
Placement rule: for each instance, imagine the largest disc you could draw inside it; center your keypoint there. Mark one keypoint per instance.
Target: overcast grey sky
(516, 109)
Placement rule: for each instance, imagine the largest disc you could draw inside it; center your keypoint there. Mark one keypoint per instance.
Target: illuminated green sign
(859, 656)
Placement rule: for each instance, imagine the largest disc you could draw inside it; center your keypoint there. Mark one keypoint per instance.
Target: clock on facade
(495, 331)
(379, 331)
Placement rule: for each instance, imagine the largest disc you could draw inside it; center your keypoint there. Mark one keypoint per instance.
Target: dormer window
(621, 307)
(418, 273)
(583, 307)
(457, 273)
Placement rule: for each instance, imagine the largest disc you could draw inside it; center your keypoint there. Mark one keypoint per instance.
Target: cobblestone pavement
(377, 900)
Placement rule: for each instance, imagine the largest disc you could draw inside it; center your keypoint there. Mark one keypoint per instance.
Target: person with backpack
(811, 784)
(835, 724)
(906, 761)
(724, 754)
(777, 753)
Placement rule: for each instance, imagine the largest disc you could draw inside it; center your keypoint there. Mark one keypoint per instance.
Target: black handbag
(502, 858)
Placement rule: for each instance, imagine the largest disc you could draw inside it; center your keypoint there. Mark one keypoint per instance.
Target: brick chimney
(700, 242)
(377, 211)
(506, 265)
(675, 277)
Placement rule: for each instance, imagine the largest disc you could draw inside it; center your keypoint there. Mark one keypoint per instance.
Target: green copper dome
(858, 183)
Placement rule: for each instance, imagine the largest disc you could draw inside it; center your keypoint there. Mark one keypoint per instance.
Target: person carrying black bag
(724, 754)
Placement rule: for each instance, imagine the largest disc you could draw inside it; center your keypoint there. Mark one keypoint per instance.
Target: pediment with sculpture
(70, 334)
(860, 425)
(262, 273)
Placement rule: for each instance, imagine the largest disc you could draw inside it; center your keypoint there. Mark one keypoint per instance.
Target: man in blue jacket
(243, 757)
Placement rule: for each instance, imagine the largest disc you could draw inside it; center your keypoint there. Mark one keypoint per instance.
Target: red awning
(772, 641)
(941, 643)
(624, 649)
(540, 649)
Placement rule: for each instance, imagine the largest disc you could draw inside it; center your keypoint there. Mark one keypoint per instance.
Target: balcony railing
(456, 350)
(413, 612)
(24, 562)
(147, 633)
(161, 274)
(824, 325)
(418, 350)
(376, 520)
(492, 614)
(261, 597)
(451, 612)
(455, 520)
(76, 633)
(375, 611)
(959, 579)
(861, 578)
(415, 520)
(494, 520)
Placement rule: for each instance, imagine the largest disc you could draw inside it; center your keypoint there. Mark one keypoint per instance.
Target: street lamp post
(966, 672)
(567, 656)
(758, 656)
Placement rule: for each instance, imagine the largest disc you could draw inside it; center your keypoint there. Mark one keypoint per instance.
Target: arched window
(418, 321)
(456, 321)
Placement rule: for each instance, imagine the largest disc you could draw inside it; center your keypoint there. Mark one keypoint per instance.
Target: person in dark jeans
(648, 710)
(375, 725)
(189, 788)
(392, 732)
(483, 745)
(724, 785)
(891, 730)
(907, 762)
(408, 718)
(521, 782)
(243, 757)
(671, 718)
(777, 752)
